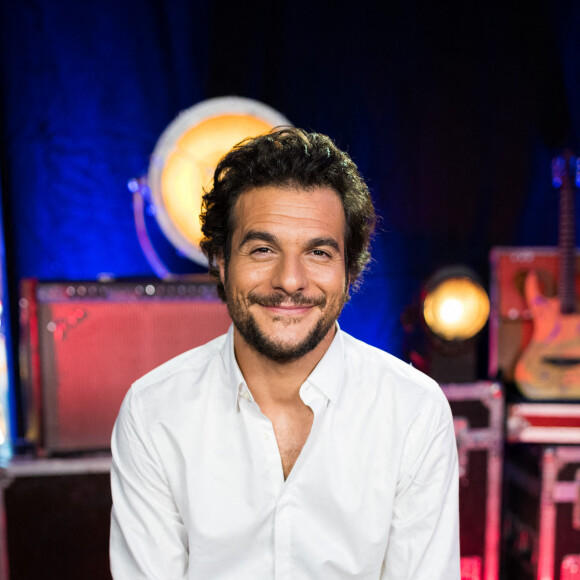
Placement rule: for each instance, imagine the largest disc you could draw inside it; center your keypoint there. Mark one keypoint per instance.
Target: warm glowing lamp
(455, 307)
(185, 157)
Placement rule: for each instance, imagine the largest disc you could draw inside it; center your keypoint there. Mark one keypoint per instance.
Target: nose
(289, 275)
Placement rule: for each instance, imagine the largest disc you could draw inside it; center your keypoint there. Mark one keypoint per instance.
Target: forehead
(318, 208)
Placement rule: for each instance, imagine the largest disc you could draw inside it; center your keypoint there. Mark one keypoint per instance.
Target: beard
(276, 350)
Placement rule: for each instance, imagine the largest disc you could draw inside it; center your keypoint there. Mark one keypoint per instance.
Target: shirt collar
(328, 375)
(236, 380)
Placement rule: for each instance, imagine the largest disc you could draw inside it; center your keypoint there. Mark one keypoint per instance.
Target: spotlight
(185, 157)
(455, 306)
(443, 324)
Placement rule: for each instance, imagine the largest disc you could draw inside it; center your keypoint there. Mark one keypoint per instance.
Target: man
(285, 449)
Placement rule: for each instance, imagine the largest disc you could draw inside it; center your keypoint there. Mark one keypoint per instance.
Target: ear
(347, 285)
(221, 264)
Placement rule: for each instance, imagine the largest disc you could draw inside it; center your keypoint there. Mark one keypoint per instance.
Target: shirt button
(266, 436)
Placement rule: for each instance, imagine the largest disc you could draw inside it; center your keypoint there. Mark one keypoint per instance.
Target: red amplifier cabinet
(84, 343)
(478, 413)
(542, 520)
(510, 323)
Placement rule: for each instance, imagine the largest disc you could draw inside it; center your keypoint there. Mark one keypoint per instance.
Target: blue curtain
(450, 110)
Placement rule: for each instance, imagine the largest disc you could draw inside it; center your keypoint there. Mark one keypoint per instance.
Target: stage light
(185, 157)
(443, 324)
(455, 306)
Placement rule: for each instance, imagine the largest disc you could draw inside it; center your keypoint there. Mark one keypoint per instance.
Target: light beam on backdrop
(182, 166)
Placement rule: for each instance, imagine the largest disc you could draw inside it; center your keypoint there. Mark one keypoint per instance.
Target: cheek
(248, 275)
(331, 279)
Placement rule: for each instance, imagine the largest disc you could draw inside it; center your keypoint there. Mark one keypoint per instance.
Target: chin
(283, 347)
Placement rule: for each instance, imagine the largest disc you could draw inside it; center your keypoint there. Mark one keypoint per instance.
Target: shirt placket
(282, 530)
(282, 490)
(283, 524)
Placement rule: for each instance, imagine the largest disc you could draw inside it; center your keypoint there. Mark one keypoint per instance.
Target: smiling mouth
(294, 305)
(288, 310)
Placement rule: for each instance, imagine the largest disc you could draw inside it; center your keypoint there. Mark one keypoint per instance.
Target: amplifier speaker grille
(93, 340)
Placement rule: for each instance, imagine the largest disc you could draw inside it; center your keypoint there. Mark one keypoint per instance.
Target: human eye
(261, 251)
(318, 253)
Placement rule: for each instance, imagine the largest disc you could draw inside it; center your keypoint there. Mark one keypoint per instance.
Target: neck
(275, 383)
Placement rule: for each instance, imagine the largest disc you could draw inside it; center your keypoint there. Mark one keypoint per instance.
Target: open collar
(327, 376)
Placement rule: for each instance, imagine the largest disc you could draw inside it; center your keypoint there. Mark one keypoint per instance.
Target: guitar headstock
(566, 168)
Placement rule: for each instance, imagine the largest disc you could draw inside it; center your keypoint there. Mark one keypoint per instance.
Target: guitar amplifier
(84, 343)
(510, 322)
(478, 412)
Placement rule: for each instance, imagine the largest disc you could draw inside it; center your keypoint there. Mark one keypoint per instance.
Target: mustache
(278, 298)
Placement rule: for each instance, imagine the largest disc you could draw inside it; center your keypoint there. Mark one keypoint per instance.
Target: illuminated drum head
(186, 155)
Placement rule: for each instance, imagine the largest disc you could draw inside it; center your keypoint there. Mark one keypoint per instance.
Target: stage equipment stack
(541, 516)
(478, 416)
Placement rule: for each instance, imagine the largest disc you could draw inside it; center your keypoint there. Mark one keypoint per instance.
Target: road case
(542, 517)
(551, 423)
(478, 413)
(55, 516)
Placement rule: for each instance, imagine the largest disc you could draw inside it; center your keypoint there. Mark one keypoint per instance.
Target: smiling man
(285, 449)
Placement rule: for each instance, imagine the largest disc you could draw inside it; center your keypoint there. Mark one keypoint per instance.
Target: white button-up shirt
(199, 492)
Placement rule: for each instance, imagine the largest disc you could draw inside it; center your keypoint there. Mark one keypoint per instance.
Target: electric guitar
(549, 367)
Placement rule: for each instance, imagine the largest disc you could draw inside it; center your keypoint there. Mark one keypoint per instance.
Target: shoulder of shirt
(186, 363)
(391, 369)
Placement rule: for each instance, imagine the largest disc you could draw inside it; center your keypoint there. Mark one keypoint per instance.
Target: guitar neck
(567, 239)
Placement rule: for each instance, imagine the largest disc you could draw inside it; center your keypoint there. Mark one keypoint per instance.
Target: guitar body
(549, 368)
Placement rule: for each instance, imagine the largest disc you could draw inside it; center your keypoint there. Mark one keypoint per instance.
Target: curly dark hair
(287, 157)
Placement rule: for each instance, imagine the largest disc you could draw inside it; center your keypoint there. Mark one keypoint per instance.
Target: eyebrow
(329, 242)
(255, 235)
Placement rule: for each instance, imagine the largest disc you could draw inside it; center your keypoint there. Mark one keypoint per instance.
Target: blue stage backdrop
(450, 112)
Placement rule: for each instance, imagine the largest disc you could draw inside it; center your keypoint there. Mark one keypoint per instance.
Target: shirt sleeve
(424, 536)
(148, 538)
